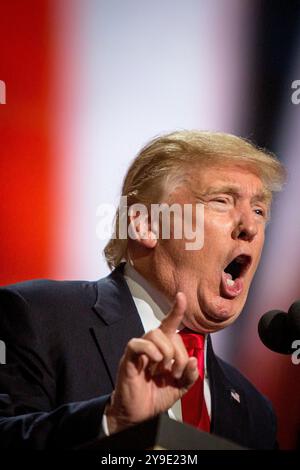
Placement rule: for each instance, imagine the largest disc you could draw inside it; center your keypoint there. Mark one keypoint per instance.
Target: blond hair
(171, 155)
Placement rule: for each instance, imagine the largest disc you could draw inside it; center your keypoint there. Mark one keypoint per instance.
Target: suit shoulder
(45, 302)
(45, 285)
(42, 289)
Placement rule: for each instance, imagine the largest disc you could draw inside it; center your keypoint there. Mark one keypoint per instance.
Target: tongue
(229, 287)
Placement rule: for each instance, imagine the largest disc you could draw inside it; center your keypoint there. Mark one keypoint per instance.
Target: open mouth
(233, 274)
(238, 266)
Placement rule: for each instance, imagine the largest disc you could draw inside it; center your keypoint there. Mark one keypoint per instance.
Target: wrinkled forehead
(229, 178)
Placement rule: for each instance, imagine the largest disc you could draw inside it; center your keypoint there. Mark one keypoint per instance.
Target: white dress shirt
(152, 307)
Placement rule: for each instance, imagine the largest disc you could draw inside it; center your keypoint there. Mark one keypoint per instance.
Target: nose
(245, 227)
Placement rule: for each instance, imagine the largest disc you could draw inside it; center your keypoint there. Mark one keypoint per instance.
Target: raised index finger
(170, 324)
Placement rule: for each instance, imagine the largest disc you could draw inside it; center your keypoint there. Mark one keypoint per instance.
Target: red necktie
(193, 405)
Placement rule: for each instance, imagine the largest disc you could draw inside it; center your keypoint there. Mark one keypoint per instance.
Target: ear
(139, 227)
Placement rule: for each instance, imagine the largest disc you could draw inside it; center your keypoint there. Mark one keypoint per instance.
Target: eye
(260, 212)
(221, 203)
(222, 200)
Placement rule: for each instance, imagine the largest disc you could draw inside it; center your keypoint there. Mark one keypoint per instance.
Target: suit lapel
(229, 410)
(120, 320)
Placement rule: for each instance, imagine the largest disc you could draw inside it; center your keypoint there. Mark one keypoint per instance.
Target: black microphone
(277, 330)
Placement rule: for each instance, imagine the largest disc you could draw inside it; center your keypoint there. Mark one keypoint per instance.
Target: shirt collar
(142, 290)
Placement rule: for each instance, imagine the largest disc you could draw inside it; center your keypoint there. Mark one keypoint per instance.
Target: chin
(218, 314)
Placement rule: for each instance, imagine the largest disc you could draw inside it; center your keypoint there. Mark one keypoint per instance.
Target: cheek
(215, 239)
(258, 250)
(172, 253)
(216, 226)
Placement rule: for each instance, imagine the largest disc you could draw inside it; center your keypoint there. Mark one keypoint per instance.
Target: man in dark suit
(85, 359)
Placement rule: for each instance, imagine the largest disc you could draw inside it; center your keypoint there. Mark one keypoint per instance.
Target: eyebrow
(262, 196)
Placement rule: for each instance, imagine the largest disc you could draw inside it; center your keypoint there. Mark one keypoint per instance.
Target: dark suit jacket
(64, 340)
